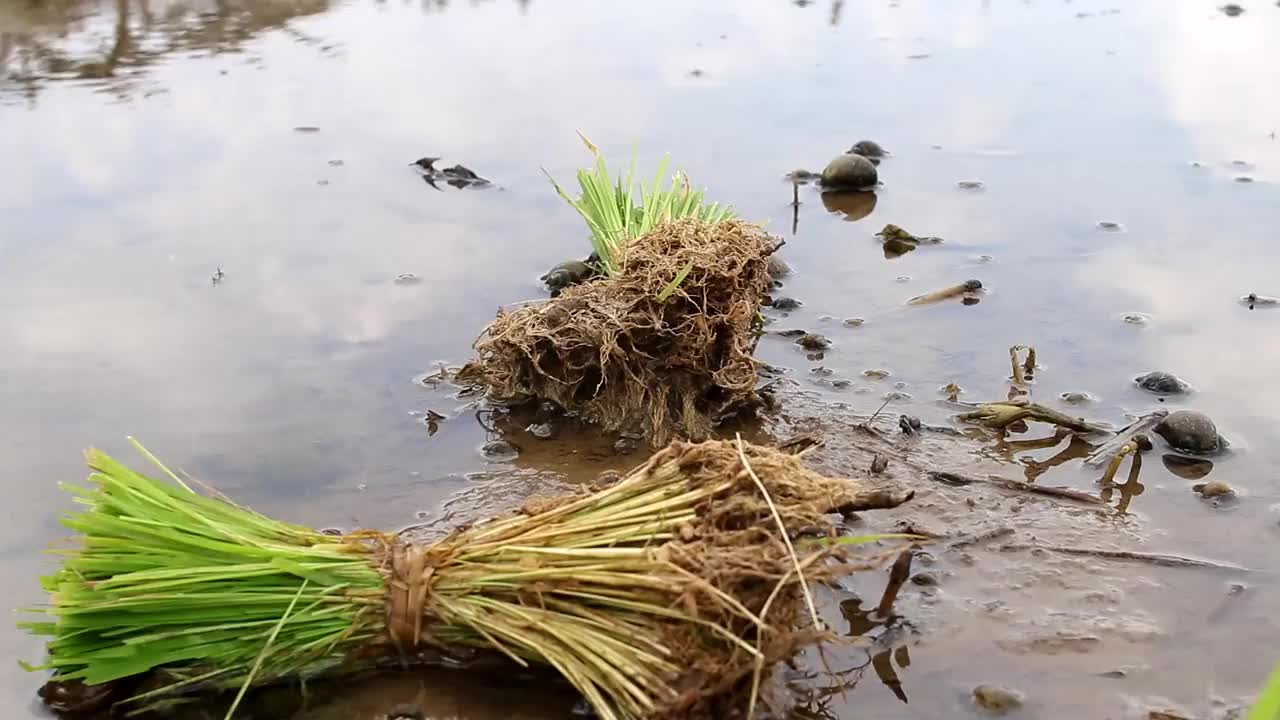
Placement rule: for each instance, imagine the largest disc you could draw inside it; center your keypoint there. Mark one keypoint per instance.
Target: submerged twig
(1151, 558)
(959, 480)
(1004, 413)
(968, 286)
(1129, 432)
(981, 537)
(898, 575)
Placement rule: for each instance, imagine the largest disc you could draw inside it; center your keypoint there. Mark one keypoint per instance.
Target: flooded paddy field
(212, 239)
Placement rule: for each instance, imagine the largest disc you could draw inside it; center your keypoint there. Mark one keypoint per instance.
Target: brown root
(613, 352)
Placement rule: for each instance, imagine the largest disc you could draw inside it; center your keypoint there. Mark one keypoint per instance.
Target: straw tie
(409, 578)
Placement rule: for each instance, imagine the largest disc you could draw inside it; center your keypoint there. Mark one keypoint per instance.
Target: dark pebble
(785, 303)
(813, 341)
(778, 268)
(500, 450)
(625, 446)
(879, 464)
(925, 579)
(1231, 10)
(1189, 431)
(868, 149)
(1161, 383)
(848, 171)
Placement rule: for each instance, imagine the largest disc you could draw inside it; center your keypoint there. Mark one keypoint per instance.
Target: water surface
(149, 145)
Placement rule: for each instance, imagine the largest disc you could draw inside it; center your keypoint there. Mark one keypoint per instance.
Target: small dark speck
(336, 163)
(695, 73)
(1231, 10)
(222, 72)
(306, 129)
(322, 183)
(918, 56)
(1244, 179)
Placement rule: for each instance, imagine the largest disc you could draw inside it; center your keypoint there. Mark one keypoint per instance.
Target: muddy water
(149, 147)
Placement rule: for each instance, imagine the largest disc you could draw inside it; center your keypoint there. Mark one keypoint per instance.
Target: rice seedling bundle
(665, 594)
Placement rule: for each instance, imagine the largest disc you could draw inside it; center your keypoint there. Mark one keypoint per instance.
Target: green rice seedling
(618, 210)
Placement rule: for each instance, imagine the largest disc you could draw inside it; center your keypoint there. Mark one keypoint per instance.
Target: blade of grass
(675, 282)
(257, 664)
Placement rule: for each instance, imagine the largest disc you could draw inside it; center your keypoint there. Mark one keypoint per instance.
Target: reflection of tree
(115, 43)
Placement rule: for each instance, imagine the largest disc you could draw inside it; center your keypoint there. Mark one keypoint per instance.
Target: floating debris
(875, 374)
(1002, 414)
(217, 276)
(1109, 226)
(306, 129)
(965, 288)
(1025, 371)
(1076, 398)
(800, 176)
(895, 234)
(456, 176)
(1232, 10)
(407, 279)
(785, 303)
(1135, 318)
(1214, 489)
(1243, 179)
(854, 322)
(970, 185)
(813, 341)
(1254, 300)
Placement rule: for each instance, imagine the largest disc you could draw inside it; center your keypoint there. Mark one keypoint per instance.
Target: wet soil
(180, 260)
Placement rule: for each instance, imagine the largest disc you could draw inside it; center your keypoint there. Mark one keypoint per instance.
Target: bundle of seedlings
(661, 341)
(666, 594)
